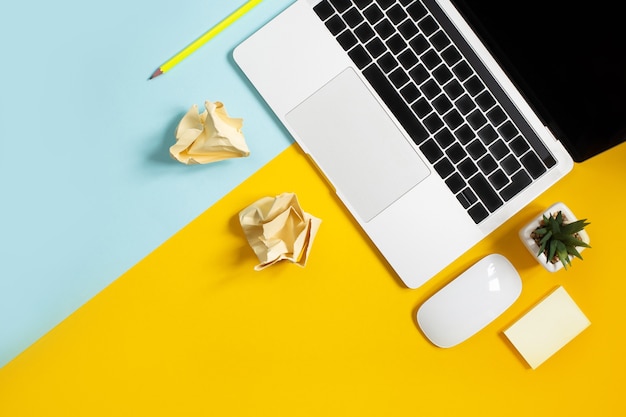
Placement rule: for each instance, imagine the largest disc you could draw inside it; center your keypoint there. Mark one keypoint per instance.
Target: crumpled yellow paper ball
(277, 229)
(209, 136)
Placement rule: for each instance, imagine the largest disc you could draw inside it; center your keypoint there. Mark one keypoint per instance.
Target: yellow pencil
(207, 36)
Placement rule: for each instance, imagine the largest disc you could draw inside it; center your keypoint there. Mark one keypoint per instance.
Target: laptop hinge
(550, 134)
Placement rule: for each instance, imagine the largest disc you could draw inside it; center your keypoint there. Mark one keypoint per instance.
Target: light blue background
(87, 185)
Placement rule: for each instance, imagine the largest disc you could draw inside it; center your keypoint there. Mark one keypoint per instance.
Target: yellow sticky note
(549, 326)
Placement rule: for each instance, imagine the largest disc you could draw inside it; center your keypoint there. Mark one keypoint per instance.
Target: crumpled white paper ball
(209, 136)
(278, 229)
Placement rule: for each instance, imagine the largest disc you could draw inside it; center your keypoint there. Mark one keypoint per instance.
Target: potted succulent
(555, 237)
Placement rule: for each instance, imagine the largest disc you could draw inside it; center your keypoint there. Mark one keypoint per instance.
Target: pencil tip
(156, 73)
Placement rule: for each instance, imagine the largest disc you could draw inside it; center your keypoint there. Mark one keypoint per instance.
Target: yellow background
(193, 330)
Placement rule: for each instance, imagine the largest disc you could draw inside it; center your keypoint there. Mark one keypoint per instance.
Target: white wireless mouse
(470, 302)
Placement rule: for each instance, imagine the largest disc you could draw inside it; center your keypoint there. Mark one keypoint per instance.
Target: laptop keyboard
(438, 98)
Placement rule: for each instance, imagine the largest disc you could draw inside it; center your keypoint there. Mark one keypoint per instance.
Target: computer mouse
(470, 301)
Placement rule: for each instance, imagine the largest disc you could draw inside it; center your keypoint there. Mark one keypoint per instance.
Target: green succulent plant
(558, 239)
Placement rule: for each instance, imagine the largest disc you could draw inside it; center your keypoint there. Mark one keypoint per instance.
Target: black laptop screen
(568, 58)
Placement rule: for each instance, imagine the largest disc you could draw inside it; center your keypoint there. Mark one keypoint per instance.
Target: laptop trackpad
(361, 151)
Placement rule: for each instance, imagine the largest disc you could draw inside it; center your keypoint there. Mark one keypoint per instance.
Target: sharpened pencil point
(156, 73)
(208, 35)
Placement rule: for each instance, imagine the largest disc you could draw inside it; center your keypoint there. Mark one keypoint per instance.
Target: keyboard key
(396, 14)
(323, 10)
(440, 40)
(462, 70)
(433, 122)
(396, 43)
(408, 59)
(353, 17)
(444, 138)
(389, 95)
(375, 47)
(508, 131)
(519, 181)
(485, 101)
(444, 168)
(410, 93)
(408, 29)
(485, 193)
(533, 164)
(456, 153)
(476, 119)
(428, 25)
(430, 89)
(496, 116)
(467, 168)
(451, 56)
(364, 32)
(335, 25)
(519, 145)
(431, 59)
(476, 149)
(387, 62)
(442, 74)
(384, 28)
(499, 149)
(478, 213)
(465, 104)
(467, 197)
(487, 134)
(442, 104)
(498, 179)
(453, 119)
(455, 183)
(419, 74)
(487, 164)
(453, 89)
(398, 77)
(464, 134)
(347, 40)
(422, 108)
(359, 56)
(473, 85)
(419, 44)
(510, 164)
(417, 132)
(417, 10)
(431, 151)
(373, 14)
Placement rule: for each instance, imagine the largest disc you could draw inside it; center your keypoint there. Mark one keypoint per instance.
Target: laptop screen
(568, 59)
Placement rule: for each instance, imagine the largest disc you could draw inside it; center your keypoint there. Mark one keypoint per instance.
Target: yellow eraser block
(549, 326)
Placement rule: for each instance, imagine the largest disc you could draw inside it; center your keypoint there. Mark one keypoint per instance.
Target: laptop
(435, 121)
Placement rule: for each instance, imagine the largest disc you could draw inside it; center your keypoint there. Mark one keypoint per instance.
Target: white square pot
(533, 248)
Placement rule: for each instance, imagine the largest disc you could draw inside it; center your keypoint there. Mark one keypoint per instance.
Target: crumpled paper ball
(277, 229)
(209, 136)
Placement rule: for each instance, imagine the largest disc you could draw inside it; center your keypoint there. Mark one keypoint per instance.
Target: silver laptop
(432, 124)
